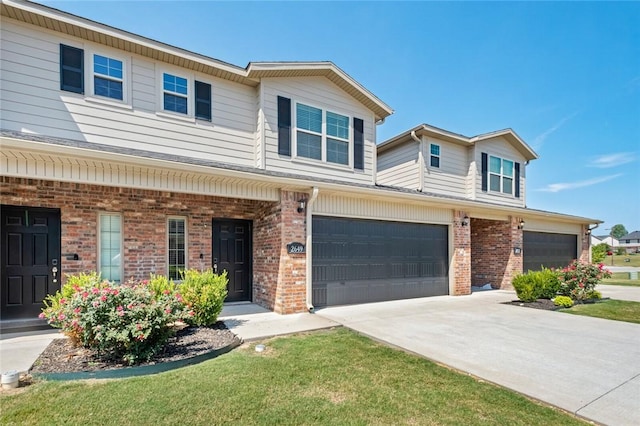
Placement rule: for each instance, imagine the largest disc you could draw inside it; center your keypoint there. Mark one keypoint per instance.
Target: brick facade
(461, 257)
(280, 282)
(493, 259)
(278, 277)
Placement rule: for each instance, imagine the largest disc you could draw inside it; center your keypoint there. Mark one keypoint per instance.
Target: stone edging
(142, 370)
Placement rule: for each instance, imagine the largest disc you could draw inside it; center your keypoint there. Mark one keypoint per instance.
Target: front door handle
(54, 271)
(215, 265)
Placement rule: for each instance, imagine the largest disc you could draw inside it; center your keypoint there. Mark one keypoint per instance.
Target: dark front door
(232, 253)
(29, 252)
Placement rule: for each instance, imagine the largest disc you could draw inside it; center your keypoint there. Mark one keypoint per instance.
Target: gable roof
(635, 235)
(66, 23)
(427, 130)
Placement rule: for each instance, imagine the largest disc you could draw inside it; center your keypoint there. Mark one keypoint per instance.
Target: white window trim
(186, 241)
(89, 81)
(324, 136)
(501, 176)
(99, 261)
(439, 156)
(191, 99)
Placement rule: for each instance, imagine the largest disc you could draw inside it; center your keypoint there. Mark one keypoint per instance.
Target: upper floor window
(175, 93)
(322, 135)
(107, 77)
(337, 138)
(434, 155)
(500, 175)
(319, 135)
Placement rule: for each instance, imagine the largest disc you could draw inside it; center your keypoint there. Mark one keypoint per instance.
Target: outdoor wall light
(302, 203)
(465, 221)
(588, 231)
(521, 225)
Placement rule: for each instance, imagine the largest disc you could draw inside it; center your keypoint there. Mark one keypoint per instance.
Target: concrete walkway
(248, 321)
(620, 292)
(587, 366)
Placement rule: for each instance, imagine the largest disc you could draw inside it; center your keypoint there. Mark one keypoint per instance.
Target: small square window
(175, 93)
(107, 77)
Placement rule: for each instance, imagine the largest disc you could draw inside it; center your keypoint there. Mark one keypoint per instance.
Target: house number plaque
(295, 248)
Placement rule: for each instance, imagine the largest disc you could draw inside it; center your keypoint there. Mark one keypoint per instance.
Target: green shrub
(563, 301)
(578, 279)
(535, 285)
(160, 285)
(594, 295)
(203, 293)
(599, 252)
(525, 287)
(547, 282)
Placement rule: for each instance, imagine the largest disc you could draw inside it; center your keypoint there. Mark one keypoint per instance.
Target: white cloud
(539, 140)
(612, 160)
(557, 187)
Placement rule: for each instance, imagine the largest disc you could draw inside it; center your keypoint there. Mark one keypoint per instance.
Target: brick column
(515, 262)
(280, 277)
(584, 245)
(461, 258)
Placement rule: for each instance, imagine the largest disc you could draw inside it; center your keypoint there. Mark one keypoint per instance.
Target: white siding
(399, 166)
(451, 177)
(540, 225)
(333, 205)
(31, 101)
(320, 93)
(498, 147)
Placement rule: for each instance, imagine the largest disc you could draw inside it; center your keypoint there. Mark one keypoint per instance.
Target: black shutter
(517, 180)
(484, 171)
(203, 101)
(71, 69)
(358, 144)
(284, 126)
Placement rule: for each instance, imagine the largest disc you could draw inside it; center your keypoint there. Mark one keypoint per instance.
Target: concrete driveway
(584, 365)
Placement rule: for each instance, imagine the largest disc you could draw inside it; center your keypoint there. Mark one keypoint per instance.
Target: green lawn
(326, 378)
(621, 278)
(619, 310)
(618, 260)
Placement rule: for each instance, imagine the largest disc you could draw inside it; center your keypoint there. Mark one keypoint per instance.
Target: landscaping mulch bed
(62, 357)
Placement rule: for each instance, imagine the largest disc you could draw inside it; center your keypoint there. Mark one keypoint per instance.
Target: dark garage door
(360, 261)
(548, 250)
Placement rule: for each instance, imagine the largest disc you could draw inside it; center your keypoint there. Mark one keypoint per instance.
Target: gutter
(309, 281)
(421, 164)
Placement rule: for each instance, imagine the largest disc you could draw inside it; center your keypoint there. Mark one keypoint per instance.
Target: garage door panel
(548, 250)
(360, 261)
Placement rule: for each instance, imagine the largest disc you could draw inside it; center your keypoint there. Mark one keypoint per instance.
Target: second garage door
(361, 261)
(548, 250)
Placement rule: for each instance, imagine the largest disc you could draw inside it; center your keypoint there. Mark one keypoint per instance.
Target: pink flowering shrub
(124, 322)
(578, 280)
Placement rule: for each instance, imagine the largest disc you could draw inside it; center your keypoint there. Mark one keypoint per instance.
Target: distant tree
(618, 231)
(599, 252)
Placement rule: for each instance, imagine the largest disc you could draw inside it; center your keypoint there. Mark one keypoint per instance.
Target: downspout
(310, 203)
(420, 160)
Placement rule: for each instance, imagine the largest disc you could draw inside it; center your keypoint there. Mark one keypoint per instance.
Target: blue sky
(564, 76)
